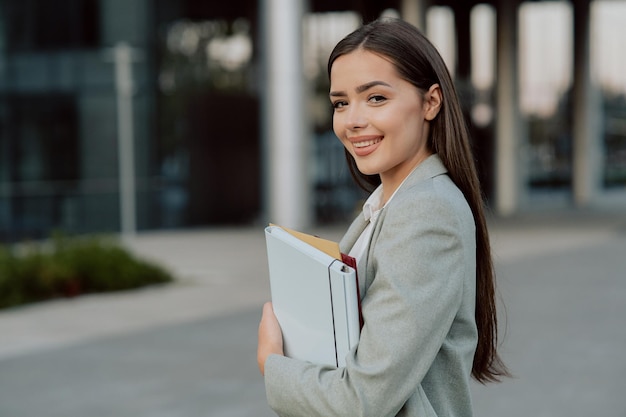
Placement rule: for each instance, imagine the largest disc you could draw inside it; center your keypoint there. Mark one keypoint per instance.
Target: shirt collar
(373, 203)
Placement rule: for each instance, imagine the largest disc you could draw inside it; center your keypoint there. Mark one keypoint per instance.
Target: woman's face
(381, 119)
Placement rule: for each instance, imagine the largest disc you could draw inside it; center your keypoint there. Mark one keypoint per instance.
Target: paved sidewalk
(188, 349)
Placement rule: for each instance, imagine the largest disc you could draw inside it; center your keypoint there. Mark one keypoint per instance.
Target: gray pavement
(188, 349)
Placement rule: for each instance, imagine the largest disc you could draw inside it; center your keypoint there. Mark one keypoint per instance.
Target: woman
(421, 244)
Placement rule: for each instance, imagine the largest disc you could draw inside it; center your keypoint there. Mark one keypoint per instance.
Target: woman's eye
(377, 99)
(339, 104)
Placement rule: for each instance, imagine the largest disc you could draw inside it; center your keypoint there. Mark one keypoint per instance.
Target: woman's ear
(432, 102)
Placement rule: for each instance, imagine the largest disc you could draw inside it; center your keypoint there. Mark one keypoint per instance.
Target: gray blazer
(415, 354)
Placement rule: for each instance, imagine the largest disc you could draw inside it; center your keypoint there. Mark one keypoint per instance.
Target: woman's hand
(270, 337)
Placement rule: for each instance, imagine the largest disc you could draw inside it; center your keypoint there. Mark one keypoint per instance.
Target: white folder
(315, 299)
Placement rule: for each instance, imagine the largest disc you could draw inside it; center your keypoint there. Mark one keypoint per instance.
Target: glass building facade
(194, 115)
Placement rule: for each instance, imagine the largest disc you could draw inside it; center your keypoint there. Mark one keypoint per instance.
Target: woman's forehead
(361, 66)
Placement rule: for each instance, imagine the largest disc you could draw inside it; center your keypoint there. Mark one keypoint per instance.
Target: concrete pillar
(124, 86)
(587, 156)
(507, 155)
(120, 21)
(286, 130)
(414, 12)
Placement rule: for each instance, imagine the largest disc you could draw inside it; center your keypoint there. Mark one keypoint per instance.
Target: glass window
(34, 25)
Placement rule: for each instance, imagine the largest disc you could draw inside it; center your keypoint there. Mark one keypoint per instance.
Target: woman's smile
(364, 145)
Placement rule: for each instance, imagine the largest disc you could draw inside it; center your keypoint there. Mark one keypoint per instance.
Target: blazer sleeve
(419, 259)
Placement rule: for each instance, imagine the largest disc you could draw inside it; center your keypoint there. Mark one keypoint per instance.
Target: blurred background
(184, 126)
(157, 114)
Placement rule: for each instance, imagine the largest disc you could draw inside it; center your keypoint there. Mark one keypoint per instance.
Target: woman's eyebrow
(371, 84)
(360, 89)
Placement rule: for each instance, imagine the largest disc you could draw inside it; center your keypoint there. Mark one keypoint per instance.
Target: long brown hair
(418, 62)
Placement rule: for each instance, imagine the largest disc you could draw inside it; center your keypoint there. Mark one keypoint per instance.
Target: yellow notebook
(329, 247)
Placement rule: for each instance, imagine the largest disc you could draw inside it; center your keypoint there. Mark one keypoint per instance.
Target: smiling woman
(381, 119)
(421, 244)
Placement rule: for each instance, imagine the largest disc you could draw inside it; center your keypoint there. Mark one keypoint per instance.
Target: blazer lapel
(429, 168)
(353, 233)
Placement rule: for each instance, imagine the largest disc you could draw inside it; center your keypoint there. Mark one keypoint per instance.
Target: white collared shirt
(371, 210)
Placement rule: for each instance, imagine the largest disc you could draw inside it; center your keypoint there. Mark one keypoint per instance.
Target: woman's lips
(365, 146)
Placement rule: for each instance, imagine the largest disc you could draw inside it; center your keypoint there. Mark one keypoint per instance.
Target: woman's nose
(356, 118)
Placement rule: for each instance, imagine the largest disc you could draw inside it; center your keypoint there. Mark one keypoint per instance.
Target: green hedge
(67, 267)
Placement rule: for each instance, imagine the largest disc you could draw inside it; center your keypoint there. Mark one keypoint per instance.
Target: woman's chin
(367, 170)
